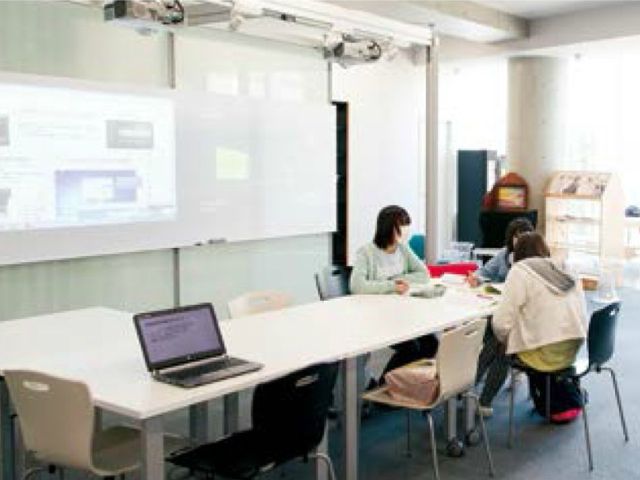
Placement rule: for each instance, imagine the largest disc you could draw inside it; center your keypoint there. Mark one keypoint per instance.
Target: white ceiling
(531, 9)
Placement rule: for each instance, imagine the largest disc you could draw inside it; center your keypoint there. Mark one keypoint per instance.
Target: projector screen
(88, 169)
(71, 158)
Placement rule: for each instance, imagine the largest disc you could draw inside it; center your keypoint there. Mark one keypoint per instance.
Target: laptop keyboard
(206, 368)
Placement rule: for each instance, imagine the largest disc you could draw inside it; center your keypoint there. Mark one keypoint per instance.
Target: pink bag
(414, 383)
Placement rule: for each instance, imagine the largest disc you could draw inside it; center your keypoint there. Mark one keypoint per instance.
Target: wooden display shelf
(590, 199)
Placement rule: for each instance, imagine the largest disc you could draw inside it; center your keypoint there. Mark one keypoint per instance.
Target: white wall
(469, 121)
(386, 142)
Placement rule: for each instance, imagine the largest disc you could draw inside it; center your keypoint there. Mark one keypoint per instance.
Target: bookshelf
(585, 214)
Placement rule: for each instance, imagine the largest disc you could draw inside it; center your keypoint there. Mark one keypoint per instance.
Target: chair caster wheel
(455, 448)
(472, 437)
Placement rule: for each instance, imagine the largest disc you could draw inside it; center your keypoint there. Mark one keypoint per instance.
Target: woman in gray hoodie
(543, 316)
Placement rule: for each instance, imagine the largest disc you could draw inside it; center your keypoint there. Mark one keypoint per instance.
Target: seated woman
(542, 318)
(496, 269)
(493, 364)
(388, 266)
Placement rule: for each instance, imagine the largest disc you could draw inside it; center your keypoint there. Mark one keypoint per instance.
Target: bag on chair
(565, 399)
(416, 382)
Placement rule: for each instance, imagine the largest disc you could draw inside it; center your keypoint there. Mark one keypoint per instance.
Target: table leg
(470, 415)
(451, 419)
(322, 472)
(7, 434)
(352, 417)
(199, 422)
(152, 449)
(231, 413)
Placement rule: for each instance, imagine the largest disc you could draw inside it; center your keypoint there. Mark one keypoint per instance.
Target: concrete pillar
(536, 122)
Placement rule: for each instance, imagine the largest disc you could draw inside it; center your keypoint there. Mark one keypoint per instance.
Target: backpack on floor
(566, 401)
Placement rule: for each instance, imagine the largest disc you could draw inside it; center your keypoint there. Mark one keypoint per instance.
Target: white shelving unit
(585, 214)
(632, 237)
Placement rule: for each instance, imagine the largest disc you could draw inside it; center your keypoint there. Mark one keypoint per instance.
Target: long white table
(99, 346)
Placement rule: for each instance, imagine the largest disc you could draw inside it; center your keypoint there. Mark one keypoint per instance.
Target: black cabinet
(493, 224)
(477, 172)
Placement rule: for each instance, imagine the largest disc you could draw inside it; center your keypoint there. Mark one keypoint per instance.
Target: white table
(99, 346)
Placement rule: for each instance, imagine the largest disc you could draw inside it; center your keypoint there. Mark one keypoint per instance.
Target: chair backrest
(602, 334)
(289, 414)
(56, 417)
(258, 302)
(416, 243)
(333, 282)
(457, 360)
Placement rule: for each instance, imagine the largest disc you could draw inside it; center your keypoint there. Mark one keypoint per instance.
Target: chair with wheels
(456, 364)
(600, 347)
(289, 418)
(333, 282)
(56, 418)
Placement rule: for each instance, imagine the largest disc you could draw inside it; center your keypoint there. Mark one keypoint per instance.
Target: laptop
(183, 346)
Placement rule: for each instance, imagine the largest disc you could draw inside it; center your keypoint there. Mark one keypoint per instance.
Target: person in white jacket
(542, 317)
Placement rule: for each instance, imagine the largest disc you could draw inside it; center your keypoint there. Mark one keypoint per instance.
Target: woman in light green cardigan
(388, 266)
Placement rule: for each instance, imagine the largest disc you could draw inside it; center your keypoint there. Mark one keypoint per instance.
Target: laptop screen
(172, 337)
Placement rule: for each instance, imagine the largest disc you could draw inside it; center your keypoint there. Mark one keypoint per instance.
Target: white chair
(456, 364)
(258, 302)
(56, 418)
(250, 303)
(57, 422)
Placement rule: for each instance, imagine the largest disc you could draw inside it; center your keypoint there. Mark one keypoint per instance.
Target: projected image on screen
(232, 164)
(72, 158)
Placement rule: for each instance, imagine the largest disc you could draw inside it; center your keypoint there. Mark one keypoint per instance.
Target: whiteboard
(257, 168)
(88, 169)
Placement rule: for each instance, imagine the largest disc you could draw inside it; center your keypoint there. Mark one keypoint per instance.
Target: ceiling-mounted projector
(145, 13)
(350, 51)
(151, 14)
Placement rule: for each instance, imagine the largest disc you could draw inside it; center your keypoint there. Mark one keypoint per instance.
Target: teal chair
(416, 243)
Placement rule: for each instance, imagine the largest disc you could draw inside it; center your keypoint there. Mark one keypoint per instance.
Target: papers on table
(459, 292)
(453, 279)
(470, 299)
(427, 290)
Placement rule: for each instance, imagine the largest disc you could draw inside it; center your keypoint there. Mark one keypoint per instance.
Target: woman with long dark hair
(388, 266)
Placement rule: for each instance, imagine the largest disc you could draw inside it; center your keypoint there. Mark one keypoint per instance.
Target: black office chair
(289, 417)
(600, 346)
(333, 282)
